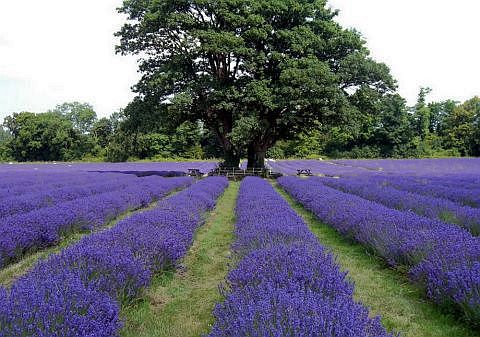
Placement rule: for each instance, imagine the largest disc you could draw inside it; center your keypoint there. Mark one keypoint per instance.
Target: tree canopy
(378, 126)
(41, 137)
(253, 71)
(82, 115)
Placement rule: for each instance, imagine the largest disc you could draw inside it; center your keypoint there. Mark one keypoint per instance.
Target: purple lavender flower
(373, 188)
(40, 228)
(285, 283)
(443, 258)
(79, 291)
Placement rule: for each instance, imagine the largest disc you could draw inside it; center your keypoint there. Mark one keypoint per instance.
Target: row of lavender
(380, 191)
(452, 172)
(29, 231)
(285, 283)
(443, 258)
(449, 188)
(460, 186)
(179, 166)
(429, 167)
(79, 291)
(290, 167)
(15, 183)
(452, 180)
(70, 189)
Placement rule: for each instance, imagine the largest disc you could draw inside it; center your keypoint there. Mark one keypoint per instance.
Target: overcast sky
(63, 50)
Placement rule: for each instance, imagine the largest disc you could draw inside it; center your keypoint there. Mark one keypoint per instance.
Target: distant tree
(186, 140)
(81, 115)
(42, 137)
(377, 125)
(439, 111)
(423, 114)
(461, 128)
(116, 119)
(393, 134)
(210, 145)
(103, 130)
(5, 136)
(253, 71)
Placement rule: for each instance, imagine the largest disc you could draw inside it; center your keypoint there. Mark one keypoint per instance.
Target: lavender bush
(61, 168)
(40, 228)
(430, 207)
(16, 183)
(418, 166)
(48, 196)
(327, 168)
(468, 196)
(443, 258)
(79, 291)
(285, 283)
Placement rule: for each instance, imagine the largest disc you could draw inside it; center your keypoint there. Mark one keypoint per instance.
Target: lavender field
(141, 249)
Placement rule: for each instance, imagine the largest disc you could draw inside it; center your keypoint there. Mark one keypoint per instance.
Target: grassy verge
(10, 273)
(386, 292)
(13, 271)
(180, 303)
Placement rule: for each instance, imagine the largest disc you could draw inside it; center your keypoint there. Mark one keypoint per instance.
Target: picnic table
(194, 172)
(306, 172)
(238, 173)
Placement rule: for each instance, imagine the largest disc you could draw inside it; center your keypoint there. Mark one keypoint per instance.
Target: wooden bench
(194, 172)
(238, 173)
(306, 172)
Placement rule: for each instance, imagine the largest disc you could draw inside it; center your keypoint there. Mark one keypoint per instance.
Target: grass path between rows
(13, 271)
(10, 273)
(180, 303)
(386, 292)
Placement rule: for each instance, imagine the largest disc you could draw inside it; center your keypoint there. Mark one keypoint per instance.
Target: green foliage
(102, 130)
(154, 145)
(186, 139)
(439, 111)
(461, 128)
(422, 114)
(308, 144)
(183, 141)
(382, 126)
(116, 152)
(277, 151)
(210, 145)
(253, 72)
(379, 126)
(42, 137)
(68, 132)
(81, 115)
(5, 136)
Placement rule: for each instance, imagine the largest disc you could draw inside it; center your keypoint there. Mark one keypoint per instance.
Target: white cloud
(426, 43)
(63, 50)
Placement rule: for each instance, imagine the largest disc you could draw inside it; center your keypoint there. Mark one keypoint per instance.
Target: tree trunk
(250, 156)
(231, 159)
(256, 156)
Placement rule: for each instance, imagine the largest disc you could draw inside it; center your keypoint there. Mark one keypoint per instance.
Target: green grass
(180, 303)
(386, 292)
(13, 271)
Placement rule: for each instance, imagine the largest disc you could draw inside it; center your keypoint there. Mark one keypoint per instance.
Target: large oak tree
(254, 71)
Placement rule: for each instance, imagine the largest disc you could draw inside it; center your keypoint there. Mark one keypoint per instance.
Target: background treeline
(375, 127)
(72, 131)
(385, 127)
